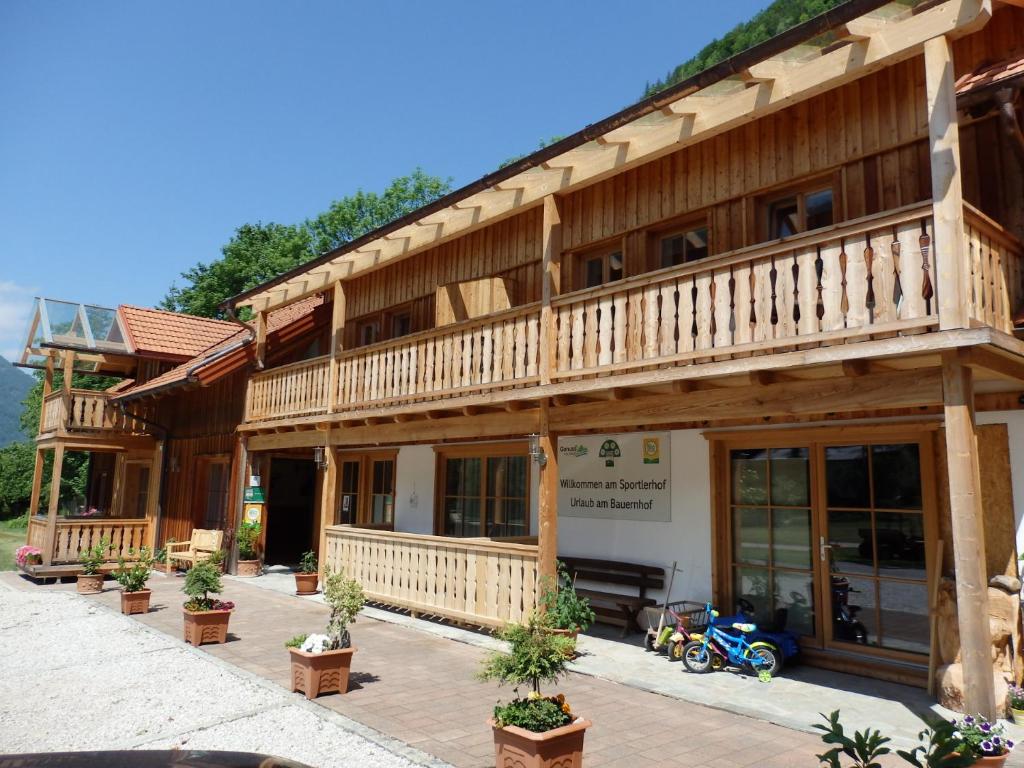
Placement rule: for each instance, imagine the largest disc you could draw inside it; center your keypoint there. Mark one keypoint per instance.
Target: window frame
(363, 517)
(800, 191)
(679, 226)
(485, 452)
(604, 251)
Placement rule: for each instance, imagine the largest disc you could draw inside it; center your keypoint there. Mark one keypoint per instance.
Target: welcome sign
(619, 477)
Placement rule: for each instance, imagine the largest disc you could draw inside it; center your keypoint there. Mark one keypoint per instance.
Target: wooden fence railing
(54, 415)
(871, 276)
(298, 389)
(74, 536)
(479, 582)
(37, 533)
(997, 271)
(84, 409)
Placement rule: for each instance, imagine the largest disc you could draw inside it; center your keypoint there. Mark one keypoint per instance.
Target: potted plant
(537, 730)
(206, 618)
(216, 559)
(248, 554)
(321, 663)
(568, 613)
(90, 580)
(307, 576)
(982, 740)
(27, 555)
(133, 577)
(1015, 701)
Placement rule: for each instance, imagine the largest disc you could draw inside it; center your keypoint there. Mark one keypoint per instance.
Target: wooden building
(763, 323)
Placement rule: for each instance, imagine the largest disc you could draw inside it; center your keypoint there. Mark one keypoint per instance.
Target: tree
(259, 252)
(773, 20)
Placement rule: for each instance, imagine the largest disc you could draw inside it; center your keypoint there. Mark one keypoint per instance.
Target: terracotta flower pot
(135, 602)
(518, 748)
(996, 761)
(316, 673)
(249, 568)
(206, 626)
(305, 583)
(90, 583)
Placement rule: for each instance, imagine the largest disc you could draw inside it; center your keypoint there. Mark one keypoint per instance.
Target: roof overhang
(95, 335)
(837, 47)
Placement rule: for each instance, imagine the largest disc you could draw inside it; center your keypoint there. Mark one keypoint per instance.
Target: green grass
(10, 540)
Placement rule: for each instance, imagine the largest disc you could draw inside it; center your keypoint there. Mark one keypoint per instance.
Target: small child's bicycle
(717, 647)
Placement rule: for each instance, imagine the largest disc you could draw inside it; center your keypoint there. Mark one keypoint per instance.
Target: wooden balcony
(84, 411)
(871, 278)
(70, 537)
(477, 581)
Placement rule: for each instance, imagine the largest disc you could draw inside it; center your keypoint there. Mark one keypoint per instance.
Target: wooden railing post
(51, 518)
(952, 271)
(337, 345)
(968, 536)
(551, 238)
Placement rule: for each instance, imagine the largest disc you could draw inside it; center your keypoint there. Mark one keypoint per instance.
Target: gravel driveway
(76, 676)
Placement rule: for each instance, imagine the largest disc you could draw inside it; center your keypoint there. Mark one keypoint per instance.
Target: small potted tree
(90, 580)
(248, 552)
(321, 663)
(568, 613)
(206, 618)
(307, 576)
(535, 731)
(132, 576)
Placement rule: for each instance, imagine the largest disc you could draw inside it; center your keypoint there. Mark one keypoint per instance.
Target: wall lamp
(536, 452)
(320, 457)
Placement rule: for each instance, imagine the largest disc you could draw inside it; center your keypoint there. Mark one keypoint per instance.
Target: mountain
(14, 385)
(773, 20)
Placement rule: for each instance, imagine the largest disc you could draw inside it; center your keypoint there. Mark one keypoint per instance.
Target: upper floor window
(368, 331)
(800, 211)
(680, 246)
(401, 323)
(598, 267)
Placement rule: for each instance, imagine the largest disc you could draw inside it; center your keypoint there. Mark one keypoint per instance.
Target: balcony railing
(869, 278)
(84, 410)
(125, 536)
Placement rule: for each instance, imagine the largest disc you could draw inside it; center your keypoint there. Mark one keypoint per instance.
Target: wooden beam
(988, 360)
(261, 339)
(551, 283)
(37, 484)
(855, 368)
(51, 514)
(968, 537)
(69, 371)
(547, 511)
(48, 376)
(949, 255)
(337, 345)
(329, 502)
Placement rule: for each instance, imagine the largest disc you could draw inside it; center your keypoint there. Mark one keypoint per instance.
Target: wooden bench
(614, 607)
(201, 546)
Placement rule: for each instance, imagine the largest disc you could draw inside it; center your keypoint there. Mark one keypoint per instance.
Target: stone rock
(949, 685)
(1008, 584)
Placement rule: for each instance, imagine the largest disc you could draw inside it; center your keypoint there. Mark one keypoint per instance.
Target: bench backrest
(204, 540)
(638, 575)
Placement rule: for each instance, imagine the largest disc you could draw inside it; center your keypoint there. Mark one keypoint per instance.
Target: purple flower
(986, 746)
(1009, 744)
(985, 727)
(969, 720)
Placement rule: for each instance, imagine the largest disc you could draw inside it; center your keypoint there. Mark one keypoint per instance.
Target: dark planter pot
(317, 673)
(305, 583)
(249, 568)
(90, 583)
(518, 748)
(135, 602)
(206, 626)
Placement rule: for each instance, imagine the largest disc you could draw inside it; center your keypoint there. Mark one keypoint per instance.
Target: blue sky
(136, 136)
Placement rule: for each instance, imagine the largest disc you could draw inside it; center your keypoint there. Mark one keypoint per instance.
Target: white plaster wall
(414, 489)
(686, 538)
(1014, 421)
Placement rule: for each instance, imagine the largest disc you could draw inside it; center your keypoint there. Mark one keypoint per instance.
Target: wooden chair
(199, 547)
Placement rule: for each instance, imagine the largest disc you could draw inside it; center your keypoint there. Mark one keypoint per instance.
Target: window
(401, 324)
(214, 481)
(366, 493)
(382, 326)
(600, 267)
(484, 491)
(683, 245)
(801, 211)
(136, 489)
(368, 331)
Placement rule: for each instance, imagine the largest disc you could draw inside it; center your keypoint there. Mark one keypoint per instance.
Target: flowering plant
(1015, 697)
(28, 555)
(981, 738)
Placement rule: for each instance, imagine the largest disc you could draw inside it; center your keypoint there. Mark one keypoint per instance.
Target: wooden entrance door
(828, 537)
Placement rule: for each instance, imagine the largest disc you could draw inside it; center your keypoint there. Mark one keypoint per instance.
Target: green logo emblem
(609, 452)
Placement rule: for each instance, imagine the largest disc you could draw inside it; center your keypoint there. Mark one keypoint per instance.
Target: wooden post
(37, 484)
(951, 276)
(153, 493)
(968, 537)
(551, 271)
(51, 519)
(48, 377)
(328, 501)
(547, 511)
(337, 345)
(261, 340)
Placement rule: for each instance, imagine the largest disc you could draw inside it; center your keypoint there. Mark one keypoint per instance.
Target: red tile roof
(991, 74)
(172, 335)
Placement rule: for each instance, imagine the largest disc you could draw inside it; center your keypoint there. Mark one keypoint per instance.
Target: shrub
(133, 576)
(296, 642)
(201, 581)
(92, 559)
(566, 609)
(345, 598)
(1015, 697)
(535, 656)
(248, 539)
(308, 563)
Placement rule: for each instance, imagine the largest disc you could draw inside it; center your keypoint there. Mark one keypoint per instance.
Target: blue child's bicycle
(717, 647)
